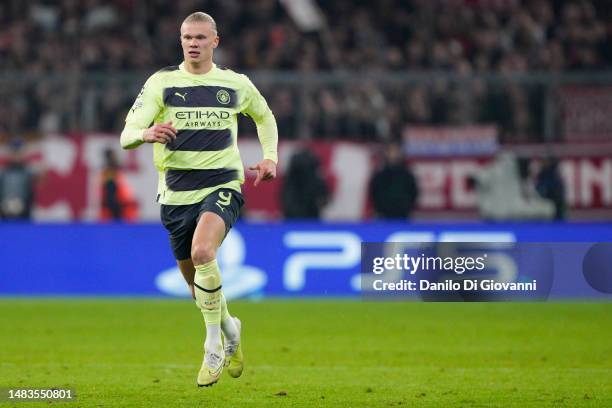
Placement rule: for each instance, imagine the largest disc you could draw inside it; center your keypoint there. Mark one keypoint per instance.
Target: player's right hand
(160, 133)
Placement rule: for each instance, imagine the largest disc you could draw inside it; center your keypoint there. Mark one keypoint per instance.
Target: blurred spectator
(550, 186)
(503, 192)
(16, 186)
(304, 190)
(393, 187)
(118, 201)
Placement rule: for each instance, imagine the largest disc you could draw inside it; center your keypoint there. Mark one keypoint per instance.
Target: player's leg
(219, 211)
(181, 222)
(207, 238)
(188, 272)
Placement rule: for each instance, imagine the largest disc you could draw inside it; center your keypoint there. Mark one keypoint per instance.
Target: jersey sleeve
(257, 108)
(143, 112)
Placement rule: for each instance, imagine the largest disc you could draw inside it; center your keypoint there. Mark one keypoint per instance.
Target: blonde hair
(201, 17)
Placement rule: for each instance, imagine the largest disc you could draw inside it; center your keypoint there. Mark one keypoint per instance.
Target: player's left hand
(266, 170)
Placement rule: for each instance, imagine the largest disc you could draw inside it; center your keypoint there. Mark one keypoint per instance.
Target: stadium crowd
(64, 62)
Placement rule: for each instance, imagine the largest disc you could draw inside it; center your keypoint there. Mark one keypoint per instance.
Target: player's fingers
(162, 137)
(258, 179)
(171, 135)
(271, 173)
(168, 128)
(256, 167)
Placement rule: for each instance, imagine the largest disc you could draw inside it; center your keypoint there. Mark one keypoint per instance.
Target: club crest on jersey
(223, 97)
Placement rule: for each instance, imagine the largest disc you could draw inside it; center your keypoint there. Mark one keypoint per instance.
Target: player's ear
(215, 42)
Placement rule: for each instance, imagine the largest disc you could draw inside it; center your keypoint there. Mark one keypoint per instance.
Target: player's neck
(198, 68)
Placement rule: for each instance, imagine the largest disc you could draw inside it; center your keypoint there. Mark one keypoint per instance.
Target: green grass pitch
(146, 352)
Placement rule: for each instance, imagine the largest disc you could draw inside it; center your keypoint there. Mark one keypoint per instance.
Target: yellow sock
(207, 282)
(224, 312)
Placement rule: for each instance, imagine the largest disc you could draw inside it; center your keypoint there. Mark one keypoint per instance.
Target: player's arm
(267, 132)
(138, 128)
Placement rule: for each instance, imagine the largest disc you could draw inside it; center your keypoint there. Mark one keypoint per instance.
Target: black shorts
(181, 220)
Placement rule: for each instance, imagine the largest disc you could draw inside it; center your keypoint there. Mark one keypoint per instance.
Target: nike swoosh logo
(216, 372)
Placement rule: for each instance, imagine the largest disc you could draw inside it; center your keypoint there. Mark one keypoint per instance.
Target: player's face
(198, 40)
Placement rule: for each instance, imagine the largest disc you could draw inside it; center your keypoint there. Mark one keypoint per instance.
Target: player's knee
(203, 253)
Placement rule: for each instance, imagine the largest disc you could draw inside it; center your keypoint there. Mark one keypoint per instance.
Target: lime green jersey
(203, 109)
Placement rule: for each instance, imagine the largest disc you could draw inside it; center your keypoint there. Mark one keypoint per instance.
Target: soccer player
(189, 113)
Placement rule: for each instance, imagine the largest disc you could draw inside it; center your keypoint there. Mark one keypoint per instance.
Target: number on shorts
(224, 199)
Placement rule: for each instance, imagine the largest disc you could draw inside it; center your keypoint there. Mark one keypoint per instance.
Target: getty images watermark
(458, 265)
(481, 271)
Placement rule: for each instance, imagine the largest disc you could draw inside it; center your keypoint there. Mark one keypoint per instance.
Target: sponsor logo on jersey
(198, 114)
